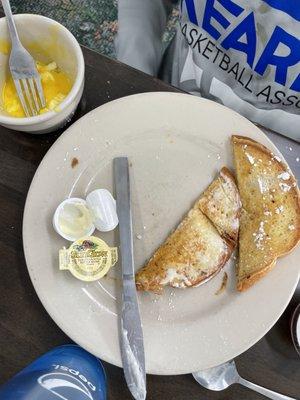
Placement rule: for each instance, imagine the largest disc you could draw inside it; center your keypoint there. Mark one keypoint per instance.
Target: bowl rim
(25, 121)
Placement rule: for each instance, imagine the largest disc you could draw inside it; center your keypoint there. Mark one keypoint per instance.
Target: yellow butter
(88, 259)
(74, 220)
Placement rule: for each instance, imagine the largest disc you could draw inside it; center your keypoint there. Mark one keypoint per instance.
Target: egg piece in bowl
(56, 86)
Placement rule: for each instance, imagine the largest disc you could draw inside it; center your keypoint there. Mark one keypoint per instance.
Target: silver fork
(22, 66)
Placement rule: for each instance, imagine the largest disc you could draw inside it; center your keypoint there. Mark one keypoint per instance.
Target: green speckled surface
(93, 22)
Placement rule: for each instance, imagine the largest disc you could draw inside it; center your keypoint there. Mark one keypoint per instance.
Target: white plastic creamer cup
(102, 206)
(61, 211)
(99, 206)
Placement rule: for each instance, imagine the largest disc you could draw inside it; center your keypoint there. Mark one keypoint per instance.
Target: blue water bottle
(64, 373)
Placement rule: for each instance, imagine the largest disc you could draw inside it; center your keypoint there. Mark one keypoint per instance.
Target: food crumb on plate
(74, 162)
(66, 156)
(223, 284)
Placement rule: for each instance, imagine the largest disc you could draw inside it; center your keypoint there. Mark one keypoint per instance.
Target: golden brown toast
(270, 220)
(221, 204)
(195, 250)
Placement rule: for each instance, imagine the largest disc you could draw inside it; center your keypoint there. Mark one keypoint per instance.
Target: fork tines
(30, 93)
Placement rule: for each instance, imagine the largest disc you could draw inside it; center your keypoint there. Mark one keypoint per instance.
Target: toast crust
(252, 279)
(288, 192)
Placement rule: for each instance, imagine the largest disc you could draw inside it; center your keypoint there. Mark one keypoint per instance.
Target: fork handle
(264, 391)
(10, 22)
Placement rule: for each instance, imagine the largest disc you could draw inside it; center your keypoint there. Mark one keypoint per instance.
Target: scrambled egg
(56, 85)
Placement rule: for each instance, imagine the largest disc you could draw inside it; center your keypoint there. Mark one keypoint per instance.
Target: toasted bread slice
(221, 204)
(190, 255)
(195, 250)
(270, 220)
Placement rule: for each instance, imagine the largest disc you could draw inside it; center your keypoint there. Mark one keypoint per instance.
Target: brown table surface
(27, 331)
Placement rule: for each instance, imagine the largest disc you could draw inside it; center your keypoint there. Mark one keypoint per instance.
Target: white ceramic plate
(176, 144)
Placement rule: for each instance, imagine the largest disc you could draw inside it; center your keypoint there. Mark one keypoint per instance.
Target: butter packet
(88, 258)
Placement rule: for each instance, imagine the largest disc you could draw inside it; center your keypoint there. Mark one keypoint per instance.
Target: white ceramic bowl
(47, 41)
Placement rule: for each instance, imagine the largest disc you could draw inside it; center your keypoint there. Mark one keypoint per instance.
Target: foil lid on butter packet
(88, 259)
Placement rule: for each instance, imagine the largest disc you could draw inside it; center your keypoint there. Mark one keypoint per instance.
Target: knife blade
(131, 333)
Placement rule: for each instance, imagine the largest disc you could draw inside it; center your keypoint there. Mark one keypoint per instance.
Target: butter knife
(131, 334)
